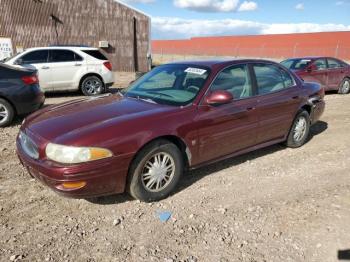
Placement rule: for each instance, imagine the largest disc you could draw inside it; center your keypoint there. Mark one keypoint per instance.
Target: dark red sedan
(331, 73)
(178, 116)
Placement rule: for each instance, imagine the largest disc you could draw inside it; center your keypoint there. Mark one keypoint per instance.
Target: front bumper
(104, 177)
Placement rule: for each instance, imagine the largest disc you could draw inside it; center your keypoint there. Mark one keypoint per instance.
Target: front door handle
(250, 108)
(78, 64)
(45, 67)
(295, 97)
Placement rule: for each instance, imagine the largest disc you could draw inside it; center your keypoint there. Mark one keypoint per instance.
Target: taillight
(30, 80)
(108, 65)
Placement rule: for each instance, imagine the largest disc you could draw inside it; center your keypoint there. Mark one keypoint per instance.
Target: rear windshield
(96, 54)
(296, 64)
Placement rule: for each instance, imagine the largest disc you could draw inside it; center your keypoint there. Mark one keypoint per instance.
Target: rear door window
(332, 63)
(320, 64)
(95, 54)
(35, 57)
(271, 78)
(57, 56)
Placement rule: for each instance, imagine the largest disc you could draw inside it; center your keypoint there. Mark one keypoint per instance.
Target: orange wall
(274, 46)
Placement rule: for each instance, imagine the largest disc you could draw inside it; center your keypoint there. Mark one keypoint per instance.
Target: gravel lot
(275, 204)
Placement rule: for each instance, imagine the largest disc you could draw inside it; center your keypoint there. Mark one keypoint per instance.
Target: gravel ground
(275, 204)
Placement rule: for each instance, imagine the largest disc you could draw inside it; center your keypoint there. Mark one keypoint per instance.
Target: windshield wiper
(146, 99)
(120, 93)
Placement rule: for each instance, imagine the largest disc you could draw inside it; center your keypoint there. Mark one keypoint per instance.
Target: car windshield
(296, 64)
(175, 84)
(10, 57)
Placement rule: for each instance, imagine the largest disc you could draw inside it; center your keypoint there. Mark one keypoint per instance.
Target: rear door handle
(45, 67)
(78, 64)
(295, 97)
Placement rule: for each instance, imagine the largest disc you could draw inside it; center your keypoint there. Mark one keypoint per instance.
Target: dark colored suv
(331, 73)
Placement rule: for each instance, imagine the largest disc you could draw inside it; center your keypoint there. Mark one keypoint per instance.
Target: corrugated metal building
(277, 46)
(34, 23)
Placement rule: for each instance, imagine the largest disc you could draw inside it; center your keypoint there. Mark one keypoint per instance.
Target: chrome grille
(28, 146)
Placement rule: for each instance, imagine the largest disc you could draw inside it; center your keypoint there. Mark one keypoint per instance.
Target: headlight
(75, 155)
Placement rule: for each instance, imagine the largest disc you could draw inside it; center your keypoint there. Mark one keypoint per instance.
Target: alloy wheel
(93, 87)
(300, 129)
(4, 114)
(346, 87)
(158, 172)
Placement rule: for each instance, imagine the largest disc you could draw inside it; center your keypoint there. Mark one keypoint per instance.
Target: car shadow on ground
(193, 176)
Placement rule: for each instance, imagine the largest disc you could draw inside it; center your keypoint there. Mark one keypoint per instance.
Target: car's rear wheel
(300, 130)
(155, 172)
(7, 113)
(92, 86)
(344, 87)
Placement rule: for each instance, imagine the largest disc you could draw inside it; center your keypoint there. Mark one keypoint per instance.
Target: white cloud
(137, 1)
(248, 6)
(176, 28)
(208, 5)
(340, 3)
(299, 6)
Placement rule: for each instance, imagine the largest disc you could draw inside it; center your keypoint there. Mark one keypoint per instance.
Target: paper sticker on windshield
(196, 71)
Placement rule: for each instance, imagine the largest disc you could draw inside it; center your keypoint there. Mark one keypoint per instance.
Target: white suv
(66, 68)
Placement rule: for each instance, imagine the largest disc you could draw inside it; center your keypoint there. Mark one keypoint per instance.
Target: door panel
(276, 114)
(64, 68)
(278, 100)
(45, 76)
(319, 75)
(39, 60)
(226, 129)
(336, 74)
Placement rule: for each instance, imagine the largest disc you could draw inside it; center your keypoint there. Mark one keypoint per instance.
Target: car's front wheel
(300, 130)
(155, 172)
(344, 87)
(7, 113)
(92, 86)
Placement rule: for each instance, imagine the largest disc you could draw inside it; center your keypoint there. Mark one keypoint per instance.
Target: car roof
(219, 62)
(307, 57)
(76, 48)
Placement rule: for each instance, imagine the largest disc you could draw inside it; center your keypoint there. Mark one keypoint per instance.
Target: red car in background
(178, 116)
(331, 73)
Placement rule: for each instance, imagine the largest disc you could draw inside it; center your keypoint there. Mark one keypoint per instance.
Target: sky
(181, 19)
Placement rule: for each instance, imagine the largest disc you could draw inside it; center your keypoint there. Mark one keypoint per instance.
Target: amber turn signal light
(74, 185)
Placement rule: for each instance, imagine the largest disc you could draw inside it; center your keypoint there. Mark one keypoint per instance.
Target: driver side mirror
(312, 68)
(219, 97)
(19, 61)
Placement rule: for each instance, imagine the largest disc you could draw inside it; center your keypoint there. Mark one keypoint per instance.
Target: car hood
(78, 117)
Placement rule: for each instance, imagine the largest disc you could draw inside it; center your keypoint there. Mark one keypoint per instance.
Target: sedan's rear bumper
(28, 99)
(101, 178)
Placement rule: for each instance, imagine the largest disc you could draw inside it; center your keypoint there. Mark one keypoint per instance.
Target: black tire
(7, 113)
(137, 184)
(344, 87)
(294, 141)
(92, 86)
